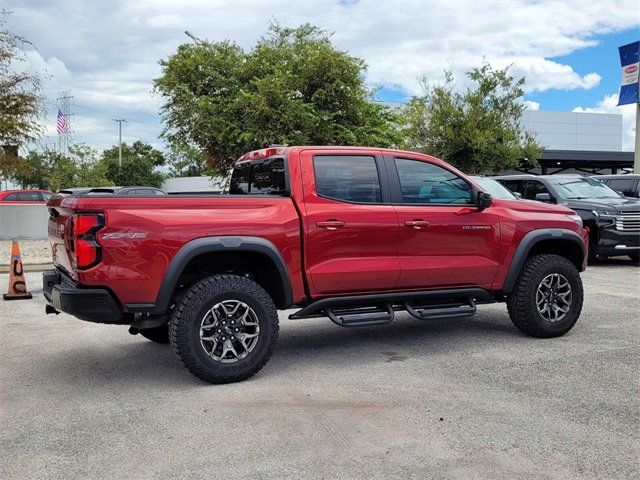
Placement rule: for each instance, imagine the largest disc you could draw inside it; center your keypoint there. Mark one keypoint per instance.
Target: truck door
(350, 226)
(445, 241)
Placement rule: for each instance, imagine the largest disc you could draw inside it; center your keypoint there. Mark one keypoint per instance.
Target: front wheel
(224, 328)
(547, 299)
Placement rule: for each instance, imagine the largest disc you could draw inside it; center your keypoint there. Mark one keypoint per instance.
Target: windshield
(581, 188)
(495, 188)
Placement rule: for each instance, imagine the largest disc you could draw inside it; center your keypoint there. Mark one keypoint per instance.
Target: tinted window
(349, 178)
(240, 179)
(426, 183)
(264, 177)
(624, 185)
(514, 185)
(267, 177)
(535, 187)
(46, 196)
(12, 197)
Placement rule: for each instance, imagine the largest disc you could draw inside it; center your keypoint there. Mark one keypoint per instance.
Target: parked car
(495, 188)
(353, 234)
(119, 191)
(613, 220)
(628, 184)
(25, 196)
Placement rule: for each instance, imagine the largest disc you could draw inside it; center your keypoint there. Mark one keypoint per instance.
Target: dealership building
(576, 142)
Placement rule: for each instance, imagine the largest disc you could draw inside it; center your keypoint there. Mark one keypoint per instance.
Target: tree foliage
(139, 165)
(478, 129)
(80, 168)
(21, 101)
(293, 87)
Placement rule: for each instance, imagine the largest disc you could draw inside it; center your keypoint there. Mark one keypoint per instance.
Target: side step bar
(369, 310)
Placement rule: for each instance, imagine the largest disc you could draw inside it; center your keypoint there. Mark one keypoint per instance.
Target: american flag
(63, 126)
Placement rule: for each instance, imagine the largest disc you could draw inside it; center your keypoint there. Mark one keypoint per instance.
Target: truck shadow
(134, 363)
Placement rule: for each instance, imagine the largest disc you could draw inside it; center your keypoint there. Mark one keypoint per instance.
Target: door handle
(330, 224)
(417, 223)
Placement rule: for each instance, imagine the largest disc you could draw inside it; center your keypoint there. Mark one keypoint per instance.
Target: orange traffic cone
(17, 285)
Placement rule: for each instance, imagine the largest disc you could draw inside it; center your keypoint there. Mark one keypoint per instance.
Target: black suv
(628, 184)
(613, 220)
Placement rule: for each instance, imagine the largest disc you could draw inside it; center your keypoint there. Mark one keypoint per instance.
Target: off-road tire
(157, 334)
(521, 303)
(184, 327)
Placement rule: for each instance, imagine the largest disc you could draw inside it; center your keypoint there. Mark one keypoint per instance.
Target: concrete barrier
(23, 221)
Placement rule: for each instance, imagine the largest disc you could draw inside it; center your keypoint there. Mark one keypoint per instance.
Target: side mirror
(484, 200)
(518, 195)
(544, 197)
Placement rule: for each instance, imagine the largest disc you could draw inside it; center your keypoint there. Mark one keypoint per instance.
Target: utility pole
(120, 121)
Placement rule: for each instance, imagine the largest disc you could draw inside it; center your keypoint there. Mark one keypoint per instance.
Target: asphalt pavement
(463, 398)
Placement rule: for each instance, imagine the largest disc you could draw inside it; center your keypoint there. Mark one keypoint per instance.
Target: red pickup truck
(353, 234)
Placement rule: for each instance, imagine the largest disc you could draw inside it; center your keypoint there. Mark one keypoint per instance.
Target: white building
(575, 131)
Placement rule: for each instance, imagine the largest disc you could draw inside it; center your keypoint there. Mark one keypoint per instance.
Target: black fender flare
(199, 246)
(528, 242)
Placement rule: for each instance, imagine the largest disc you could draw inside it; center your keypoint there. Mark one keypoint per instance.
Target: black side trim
(527, 243)
(317, 308)
(200, 246)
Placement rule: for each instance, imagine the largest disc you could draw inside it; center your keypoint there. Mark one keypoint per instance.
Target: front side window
(350, 178)
(426, 183)
(514, 186)
(622, 185)
(535, 187)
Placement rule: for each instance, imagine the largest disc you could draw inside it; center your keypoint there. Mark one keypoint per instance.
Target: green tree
(139, 165)
(293, 87)
(21, 101)
(80, 168)
(477, 130)
(34, 170)
(187, 161)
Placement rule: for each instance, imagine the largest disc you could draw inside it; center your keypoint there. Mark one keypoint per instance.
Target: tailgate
(60, 232)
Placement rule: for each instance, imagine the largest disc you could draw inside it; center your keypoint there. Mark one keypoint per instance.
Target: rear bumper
(90, 304)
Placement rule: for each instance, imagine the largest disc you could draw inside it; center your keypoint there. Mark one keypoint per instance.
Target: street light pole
(120, 121)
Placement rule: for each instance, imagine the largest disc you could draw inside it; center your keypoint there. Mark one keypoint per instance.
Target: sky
(106, 52)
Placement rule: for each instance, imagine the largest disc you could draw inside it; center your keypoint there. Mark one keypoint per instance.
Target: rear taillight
(85, 249)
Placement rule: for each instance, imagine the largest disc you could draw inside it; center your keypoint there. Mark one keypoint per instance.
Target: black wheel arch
(206, 245)
(549, 240)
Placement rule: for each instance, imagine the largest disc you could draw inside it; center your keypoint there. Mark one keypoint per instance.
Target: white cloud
(107, 53)
(609, 104)
(531, 105)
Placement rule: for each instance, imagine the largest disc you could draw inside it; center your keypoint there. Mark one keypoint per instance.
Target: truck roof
(274, 150)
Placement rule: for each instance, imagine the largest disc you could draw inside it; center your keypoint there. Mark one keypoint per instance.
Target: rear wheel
(224, 328)
(547, 299)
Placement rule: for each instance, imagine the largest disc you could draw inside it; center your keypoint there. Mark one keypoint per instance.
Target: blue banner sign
(630, 67)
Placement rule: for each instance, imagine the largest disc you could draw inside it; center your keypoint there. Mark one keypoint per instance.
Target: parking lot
(463, 398)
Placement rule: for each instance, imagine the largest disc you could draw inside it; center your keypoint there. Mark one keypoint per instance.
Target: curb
(29, 267)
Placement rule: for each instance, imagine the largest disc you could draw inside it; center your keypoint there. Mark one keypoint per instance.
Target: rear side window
(264, 177)
(426, 183)
(350, 178)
